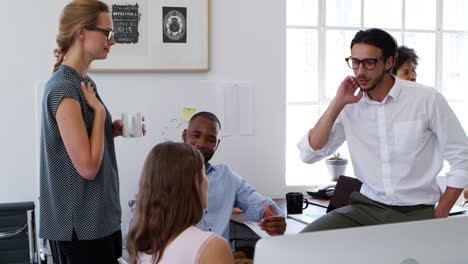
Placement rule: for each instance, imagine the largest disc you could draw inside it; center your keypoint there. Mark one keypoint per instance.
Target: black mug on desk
(295, 201)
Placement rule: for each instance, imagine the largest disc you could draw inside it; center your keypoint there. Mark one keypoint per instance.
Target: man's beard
(377, 82)
(208, 157)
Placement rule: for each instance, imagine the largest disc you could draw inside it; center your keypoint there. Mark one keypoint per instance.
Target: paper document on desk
(293, 227)
(240, 218)
(457, 210)
(256, 228)
(305, 218)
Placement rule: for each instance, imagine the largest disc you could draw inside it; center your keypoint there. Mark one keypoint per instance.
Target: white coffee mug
(131, 124)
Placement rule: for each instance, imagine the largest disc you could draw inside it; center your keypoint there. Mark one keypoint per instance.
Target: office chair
(18, 233)
(242, 239)
(343, 189)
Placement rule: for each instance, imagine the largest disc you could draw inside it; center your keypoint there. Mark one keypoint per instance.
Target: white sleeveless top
(185, 248)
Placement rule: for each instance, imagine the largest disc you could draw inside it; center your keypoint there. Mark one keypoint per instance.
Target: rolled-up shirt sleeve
(250, 201)
(335, 139)
(452, 141)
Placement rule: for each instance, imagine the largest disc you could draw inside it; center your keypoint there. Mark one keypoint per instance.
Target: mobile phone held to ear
(323, 192)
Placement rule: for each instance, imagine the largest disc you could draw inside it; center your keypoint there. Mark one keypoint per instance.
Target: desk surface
(295, 223)
(315, 209)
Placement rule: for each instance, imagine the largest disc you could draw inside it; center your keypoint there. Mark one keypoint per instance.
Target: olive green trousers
(363, 212)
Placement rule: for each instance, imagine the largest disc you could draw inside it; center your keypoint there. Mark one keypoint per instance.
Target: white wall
(248, 44)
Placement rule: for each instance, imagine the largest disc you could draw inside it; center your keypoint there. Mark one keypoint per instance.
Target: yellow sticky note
(187, 113)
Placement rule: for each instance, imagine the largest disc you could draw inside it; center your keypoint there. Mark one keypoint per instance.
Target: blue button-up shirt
(226, 190)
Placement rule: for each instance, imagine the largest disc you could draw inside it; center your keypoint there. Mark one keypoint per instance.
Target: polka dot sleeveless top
(68, 201)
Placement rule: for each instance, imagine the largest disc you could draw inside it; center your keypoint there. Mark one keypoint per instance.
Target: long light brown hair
(77, 14)
(169, 200)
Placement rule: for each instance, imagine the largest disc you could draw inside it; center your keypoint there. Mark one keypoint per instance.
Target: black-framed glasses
(109, 33)
(368, 63)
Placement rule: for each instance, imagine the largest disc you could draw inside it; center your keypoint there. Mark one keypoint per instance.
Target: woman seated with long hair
(173, 192)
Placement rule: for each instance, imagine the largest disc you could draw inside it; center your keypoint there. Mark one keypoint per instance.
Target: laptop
(430, 242)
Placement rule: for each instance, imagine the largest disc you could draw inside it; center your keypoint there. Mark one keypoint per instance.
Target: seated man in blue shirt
(226, 189)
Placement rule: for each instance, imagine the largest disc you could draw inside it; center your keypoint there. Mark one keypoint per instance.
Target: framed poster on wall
(158, 35)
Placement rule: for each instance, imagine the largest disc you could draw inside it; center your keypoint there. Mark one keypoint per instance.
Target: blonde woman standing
(173, 193)
(79, 184)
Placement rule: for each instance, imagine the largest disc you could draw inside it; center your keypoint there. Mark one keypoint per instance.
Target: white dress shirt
(398, 145)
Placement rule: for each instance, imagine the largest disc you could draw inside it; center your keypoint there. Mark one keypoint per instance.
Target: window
(319, 33)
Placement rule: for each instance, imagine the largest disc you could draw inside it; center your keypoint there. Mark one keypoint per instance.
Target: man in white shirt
(398, 133)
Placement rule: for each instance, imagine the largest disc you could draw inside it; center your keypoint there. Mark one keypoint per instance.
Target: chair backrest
(14, 234)
(343, 189)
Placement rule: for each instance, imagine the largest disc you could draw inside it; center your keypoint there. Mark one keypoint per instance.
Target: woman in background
(79, 186)
(172, 195)
(405, 64)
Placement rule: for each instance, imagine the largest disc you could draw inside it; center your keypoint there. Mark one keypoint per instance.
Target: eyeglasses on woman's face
(109, 33)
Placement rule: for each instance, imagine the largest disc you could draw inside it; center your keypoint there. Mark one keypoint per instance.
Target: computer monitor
(430, 241)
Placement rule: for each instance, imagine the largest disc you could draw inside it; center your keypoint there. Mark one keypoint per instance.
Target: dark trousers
(99, 251)
(363, 212)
